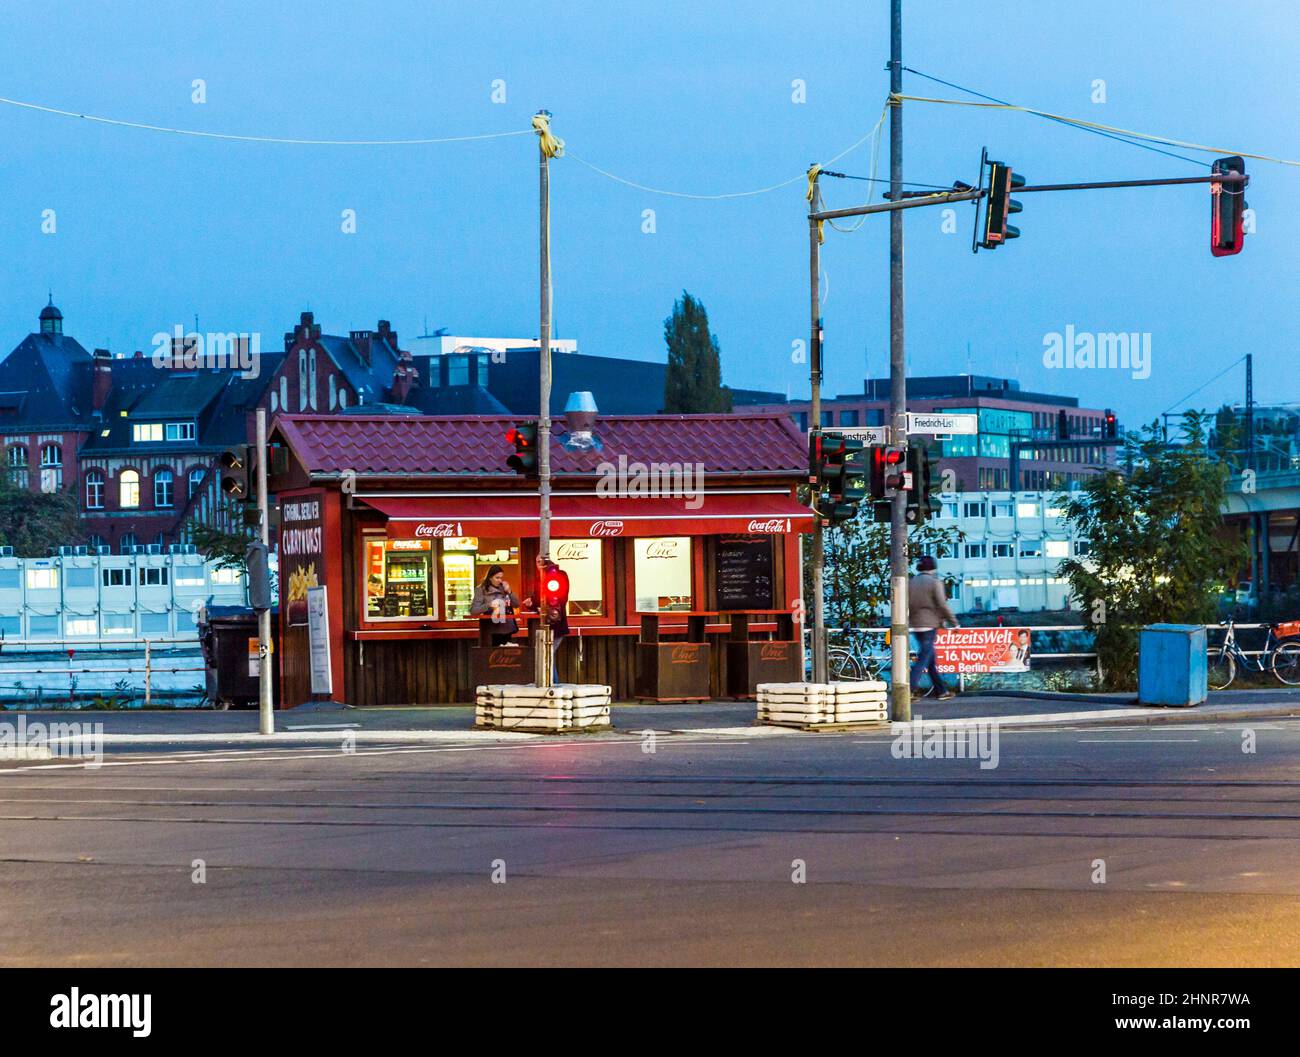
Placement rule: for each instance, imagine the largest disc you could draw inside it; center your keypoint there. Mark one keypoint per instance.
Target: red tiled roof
(476, 445)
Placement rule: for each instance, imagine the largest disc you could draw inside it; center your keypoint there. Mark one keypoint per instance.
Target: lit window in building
(1057, 548)
(581, 559)
(128, 489)
(147, 432)
(42, 579)
(51, 468)
(662, 573)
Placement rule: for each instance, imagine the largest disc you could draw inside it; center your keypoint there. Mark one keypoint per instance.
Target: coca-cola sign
(605, 528)
(437, 530)
(771, 525)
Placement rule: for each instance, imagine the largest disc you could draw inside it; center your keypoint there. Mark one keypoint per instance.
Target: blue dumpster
(1172, 665)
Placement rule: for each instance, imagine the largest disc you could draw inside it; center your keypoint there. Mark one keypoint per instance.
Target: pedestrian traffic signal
(236, 472)
(887, 468)
(1227, 208)
(1109, 427)
(919, 505)
(1002, 181)
(555, 593)
(524, 438)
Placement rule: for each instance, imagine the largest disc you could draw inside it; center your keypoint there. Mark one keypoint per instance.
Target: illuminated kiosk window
(662, 571)
(466, 560)
(581, 559)
(398, 585)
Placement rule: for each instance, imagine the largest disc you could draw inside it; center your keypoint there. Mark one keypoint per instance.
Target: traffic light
(919, 506)
(887, 467)
(1109, 427)
(524, 438)
(260, 596)
(837, 474)
(555, 593)
(1227, 207)
(236, 472)
(1002, 181)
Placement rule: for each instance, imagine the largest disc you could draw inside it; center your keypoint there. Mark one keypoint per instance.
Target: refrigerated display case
(398, 579)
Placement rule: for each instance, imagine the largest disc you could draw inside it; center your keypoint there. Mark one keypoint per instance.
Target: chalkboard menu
(745, 572)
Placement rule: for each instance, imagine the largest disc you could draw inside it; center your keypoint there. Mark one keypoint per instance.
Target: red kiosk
(663, 526)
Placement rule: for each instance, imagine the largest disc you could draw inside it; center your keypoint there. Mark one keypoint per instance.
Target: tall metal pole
(543, 636)
(1250, 412)
(814, 422)
(900, 692)
(266, 713)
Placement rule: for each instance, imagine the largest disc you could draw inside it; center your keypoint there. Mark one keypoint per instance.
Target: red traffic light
(1228, 208)
(555, 592)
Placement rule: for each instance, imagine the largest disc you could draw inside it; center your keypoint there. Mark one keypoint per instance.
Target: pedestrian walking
(927, 611)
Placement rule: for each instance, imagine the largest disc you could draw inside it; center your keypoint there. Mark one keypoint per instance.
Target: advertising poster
(969, 651)
(302, 555)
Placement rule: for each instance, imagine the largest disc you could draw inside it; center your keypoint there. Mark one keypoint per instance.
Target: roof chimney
(579, 417)
(102, 381)
(406, 376)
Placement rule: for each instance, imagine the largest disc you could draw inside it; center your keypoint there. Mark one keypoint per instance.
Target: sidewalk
(724, 718)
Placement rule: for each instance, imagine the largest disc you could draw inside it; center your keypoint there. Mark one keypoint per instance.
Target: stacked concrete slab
(552, 710)
(822, 704)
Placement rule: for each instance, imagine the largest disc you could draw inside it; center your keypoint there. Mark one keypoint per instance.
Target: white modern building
(76, 596)
(1014, 542)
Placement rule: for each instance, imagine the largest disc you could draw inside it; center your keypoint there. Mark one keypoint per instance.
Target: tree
(1158, 552)
(221, 544)
(856, 577)
(34, 523)
(693, 384)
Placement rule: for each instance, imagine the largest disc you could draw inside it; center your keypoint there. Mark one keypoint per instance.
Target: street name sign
(939, 422)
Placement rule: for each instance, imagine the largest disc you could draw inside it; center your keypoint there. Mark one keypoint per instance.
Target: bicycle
(856, 661)
(1281, 656)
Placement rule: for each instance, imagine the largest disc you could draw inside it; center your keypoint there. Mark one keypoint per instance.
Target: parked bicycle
(858, 660)
(1281, 656)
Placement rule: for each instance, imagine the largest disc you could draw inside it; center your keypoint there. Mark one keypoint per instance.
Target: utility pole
(900, 691)
(820, 674)
(266, 713)
(546, 146)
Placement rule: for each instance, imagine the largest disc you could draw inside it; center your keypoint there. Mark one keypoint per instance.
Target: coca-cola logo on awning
(605, 528)
(437, 530)
(771, 525)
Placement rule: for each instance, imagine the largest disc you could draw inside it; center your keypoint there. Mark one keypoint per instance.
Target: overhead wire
(259, 139)
(1080, 123)
(1095, 131)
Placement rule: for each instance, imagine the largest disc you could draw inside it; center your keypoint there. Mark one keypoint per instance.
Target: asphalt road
(594, 851)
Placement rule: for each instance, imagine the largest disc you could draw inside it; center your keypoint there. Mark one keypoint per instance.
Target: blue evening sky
(690, 96)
